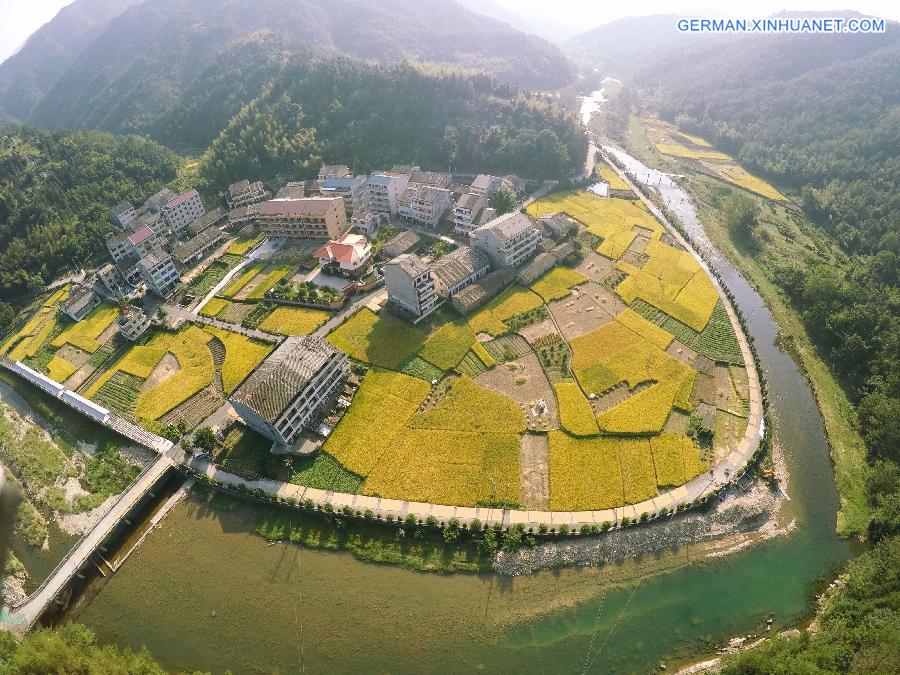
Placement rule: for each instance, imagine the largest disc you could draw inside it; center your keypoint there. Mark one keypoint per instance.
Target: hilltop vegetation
(372, 116)
(55, 192)
(130, 67)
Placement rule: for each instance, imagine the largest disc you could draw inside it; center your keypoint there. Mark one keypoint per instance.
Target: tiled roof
(180, 199)
(508, 225)
(308, 206)
(347, 250)
(409, 263)
(482, 181)
(141, 235)
(334, 170)
(459, 264)
(403, 240)
(188, 249)
(433, 178)
(239, 188)
(473, 203)
(276, 383)
(154, 256)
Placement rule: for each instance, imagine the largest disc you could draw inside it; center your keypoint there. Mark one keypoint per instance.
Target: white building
(384, 190)
(122, 214)
(131, 246)
(183, 210)
(80, 302)
(307, 218)
(156, 202)
(365, 222)
(424, 204)
(458, 269)
(133, 323)
(410, 285)
(347, 256)
(244, 192)
(351, 190)
(111, 277)
(158, 270)
(290, 388)
(483, 184)
(508, 240)
(466, 211)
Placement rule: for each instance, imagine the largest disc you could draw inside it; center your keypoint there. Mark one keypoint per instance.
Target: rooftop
(188, 249)
(433, 178)
(276, 383)
(349, 249)
(79, 298)
(154, 257)
(427, 194)
(410, 263)
(404, 240)
(482, 181)
(471, 202)
(140, 235)
(508, 225)
(407, 169)
(121, 208)
(181, 199)
(307, 206)
(362, 216)
(338, 183)
(208, 219)
(459, 264)
(338, 170)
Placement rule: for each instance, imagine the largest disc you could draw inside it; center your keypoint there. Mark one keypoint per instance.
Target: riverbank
(846, 446)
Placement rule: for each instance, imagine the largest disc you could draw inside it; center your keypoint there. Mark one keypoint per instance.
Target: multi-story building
(347, 256)
(215, 218)
(131, 246)
(111, 277)
(122, 214)
(244, 192)
(458, 269)
(351, 190)
(133, 323)
(183, 210)
(80, 302)
(365, 222)
(158, 270)
(410, 285)
(424, 204)
(334, 171)
(432, 178)
(156, 202)
(384, 190)
(508, 240)
(307, 218)
(198, 246)
(483, 184)
(466, 211)
(289, 390)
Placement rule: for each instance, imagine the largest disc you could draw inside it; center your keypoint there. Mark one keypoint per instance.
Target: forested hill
(27, 76)
(373, 116)
(819, 116)
(55, 192)
(135, 69)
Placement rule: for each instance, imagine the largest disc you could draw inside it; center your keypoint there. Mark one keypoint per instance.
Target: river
(204, 592)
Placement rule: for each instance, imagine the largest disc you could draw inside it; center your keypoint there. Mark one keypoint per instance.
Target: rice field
(380, 340)
(60, 370)
(610, 177)
(241, 245)
(674, 149)
(676, 458)
(213, 306)
(557, 283)
(84, 334)
(271, 278)
(447, 346)
(575, 413)
(242, 279)
(514, 300)
(584, 473)
(242, 355)
(294, 320)
(737, 175)
(467, 406)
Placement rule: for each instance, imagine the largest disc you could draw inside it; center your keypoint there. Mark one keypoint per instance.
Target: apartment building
(158, 270)
(80, 302)
(409, 285)
(424, 204)
(244, 192)
(384, 190)
(290, 389)
(307, 218)
(466, 212)
(183, 210)
(122, 214)
(351, 190)
(125, 246)
(156, 202)
(133, 323)
(483, 184)
(111, 277)
(508, 240)
(365, 222)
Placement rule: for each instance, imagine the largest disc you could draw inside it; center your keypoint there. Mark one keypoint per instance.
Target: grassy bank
(789, 237)
(785, 238)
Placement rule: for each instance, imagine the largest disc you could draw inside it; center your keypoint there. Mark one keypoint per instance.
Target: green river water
(204, 592)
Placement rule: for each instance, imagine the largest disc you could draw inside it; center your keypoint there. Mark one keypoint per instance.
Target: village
(414, 335)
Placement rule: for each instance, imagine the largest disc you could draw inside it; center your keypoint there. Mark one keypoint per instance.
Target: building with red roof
(348, 256)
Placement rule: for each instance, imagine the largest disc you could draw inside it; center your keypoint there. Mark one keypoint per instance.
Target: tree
(502, 201)
(205, 439)
(741, 215)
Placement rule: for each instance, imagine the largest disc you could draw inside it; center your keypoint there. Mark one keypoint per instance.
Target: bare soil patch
(77, 357)
(587, 308)
(679, 350)
(534, 461)
(538, 330)
(677, 423)
(726, 396)
(168, 365)
(524, 381)
(79, 376)
(249, 286)
(595, 267)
